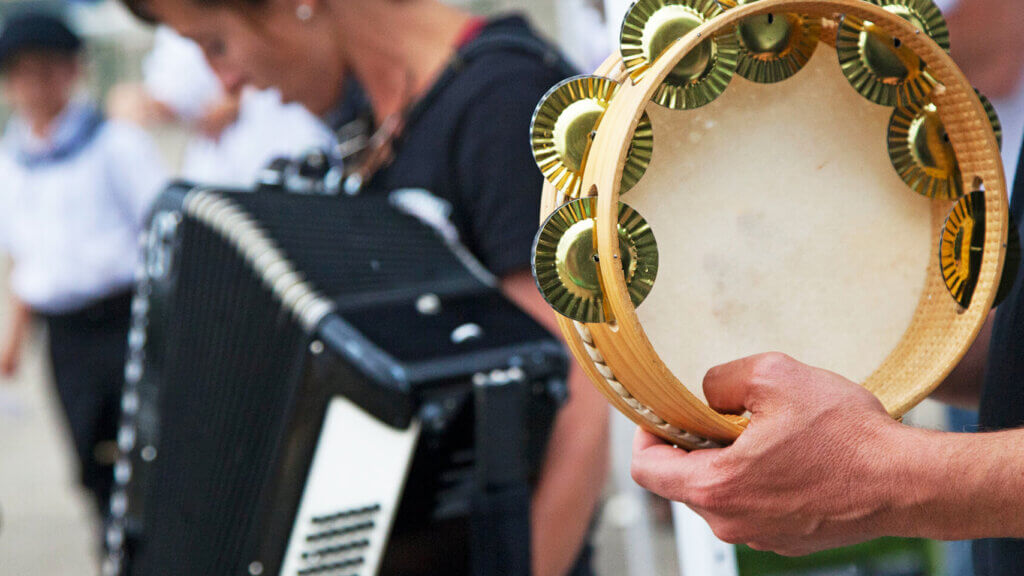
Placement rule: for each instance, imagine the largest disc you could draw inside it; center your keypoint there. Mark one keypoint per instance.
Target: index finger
(664, 469)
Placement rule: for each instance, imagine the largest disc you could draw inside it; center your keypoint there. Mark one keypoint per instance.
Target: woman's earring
(304, 12)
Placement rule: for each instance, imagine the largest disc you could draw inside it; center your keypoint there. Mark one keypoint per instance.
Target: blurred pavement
(46, 526)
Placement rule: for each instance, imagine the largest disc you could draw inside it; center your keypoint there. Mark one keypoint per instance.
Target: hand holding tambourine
(810, 177)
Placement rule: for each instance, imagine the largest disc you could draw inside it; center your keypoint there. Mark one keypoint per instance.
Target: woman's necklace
(365, 156)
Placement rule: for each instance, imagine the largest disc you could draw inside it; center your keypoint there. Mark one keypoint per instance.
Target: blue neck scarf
(73, 131)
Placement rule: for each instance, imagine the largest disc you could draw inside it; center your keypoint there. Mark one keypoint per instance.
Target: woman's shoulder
(510, 57)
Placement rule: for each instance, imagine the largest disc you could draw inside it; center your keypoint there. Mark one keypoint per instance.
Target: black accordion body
(311, 387)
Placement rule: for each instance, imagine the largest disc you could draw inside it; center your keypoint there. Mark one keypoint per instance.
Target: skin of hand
(817, 467)
(219, 116)
(10, 354)
(576, 464)
(131, 103)
(987, 43)
(10, 358)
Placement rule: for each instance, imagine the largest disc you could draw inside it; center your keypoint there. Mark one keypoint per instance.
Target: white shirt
(177, 74)
(72, 226)
(266, 129)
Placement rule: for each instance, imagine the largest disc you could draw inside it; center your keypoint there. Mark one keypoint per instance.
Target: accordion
(322, 385)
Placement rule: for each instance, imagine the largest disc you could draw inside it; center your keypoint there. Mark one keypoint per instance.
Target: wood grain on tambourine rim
(940, 332)
(552, 199)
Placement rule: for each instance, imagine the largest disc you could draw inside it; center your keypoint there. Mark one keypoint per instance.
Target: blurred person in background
(237, 130)
(450, 97)
(989, 46)
(74, 192)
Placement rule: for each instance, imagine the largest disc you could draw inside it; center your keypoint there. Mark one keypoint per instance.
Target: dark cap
(33, 31)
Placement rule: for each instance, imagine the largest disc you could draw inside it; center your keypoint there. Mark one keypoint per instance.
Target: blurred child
(75, 190)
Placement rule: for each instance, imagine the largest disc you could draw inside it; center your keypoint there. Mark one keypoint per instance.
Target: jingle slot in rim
(565, 261)
(881, 68)
(651, 26)
(960, 251)
(774, 47)
(922, 154)
(563, 126)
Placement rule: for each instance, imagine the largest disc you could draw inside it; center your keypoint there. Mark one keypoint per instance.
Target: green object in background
(884, 557)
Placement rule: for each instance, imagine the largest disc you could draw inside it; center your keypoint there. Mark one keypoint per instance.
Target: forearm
(962, 486)
(576, 462)
(571, 480)
(21, 319)
(963, 385)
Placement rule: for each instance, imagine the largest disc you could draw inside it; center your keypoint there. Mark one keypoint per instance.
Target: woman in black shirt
(463, 136)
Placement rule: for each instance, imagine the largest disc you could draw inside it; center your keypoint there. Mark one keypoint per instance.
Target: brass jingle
(774, 47)
(882, 68)
(922, 154)
(993, 117)
(960, 250)
(651, 26)
(563, 127)
(924, 14)
(565, 259)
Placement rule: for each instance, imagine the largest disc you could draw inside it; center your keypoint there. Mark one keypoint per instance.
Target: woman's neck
(396, 50)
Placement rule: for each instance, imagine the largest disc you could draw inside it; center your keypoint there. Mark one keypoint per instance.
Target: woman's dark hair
(139, 9)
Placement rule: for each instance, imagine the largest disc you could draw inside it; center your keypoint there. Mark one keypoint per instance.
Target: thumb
(735, 387)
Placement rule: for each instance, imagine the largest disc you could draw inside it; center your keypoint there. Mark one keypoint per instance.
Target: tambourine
(811, 177)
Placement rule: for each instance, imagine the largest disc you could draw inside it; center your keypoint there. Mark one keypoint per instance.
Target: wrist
(12, 340)
(940, 486)
(914, 485)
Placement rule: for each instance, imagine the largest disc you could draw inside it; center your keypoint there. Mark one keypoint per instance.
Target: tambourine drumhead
(783, 219)
(782, 226)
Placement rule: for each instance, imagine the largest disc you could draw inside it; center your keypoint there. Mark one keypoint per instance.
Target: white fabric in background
(1011, 114)
(581, 35)
(72, 226)
(615, 11)
(176, 74)
(266, 129)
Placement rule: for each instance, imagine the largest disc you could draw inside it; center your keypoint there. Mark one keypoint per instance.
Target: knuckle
(769, 367)
(701, 498)
(640, 473)
(759, 546)
(712, 498)
(728, 533)
(789, 552)
(712, 372)
(718, 492)
(653, 482)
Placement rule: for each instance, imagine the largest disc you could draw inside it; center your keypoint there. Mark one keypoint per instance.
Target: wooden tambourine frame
(617, 355)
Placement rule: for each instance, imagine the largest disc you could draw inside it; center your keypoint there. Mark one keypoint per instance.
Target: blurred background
(47, 526)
